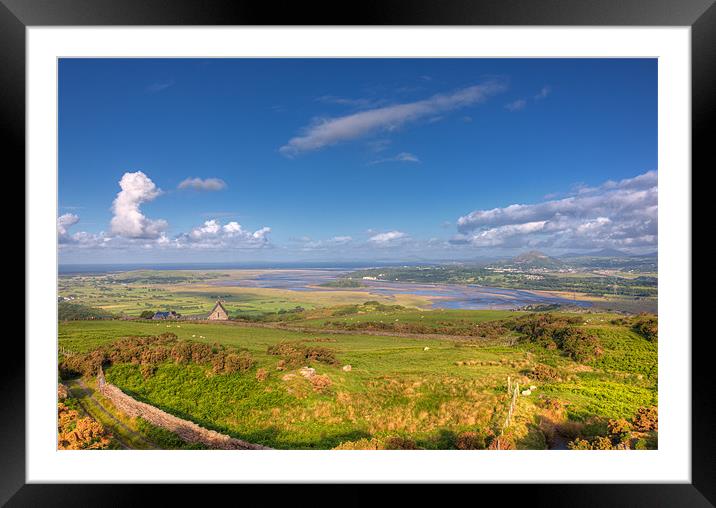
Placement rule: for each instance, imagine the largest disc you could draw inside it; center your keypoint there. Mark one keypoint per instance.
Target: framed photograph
(432, 243)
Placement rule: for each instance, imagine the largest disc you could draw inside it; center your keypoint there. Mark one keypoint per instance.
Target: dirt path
(86, 396)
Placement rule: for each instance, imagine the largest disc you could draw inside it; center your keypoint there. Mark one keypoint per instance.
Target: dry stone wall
(186, 430)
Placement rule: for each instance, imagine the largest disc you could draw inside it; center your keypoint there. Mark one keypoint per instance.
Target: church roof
(219, 304)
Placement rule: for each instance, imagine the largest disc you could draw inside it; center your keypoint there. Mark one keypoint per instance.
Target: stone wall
(186, 430)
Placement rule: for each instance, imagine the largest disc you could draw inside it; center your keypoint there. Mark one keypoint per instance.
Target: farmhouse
(165, 315)
(218, 313)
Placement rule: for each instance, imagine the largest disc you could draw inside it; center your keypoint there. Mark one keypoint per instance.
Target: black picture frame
(700, 15)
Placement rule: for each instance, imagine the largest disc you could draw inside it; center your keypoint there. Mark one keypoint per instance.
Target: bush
(238, 362)
(647, 326)
(599, 443)
(149, 352)
(320, 383)
(555, 332)
(543, 372)
(296, 354)
(646, 419)
(400, 443)
(75, 433)
(470, 441)
(619, 429)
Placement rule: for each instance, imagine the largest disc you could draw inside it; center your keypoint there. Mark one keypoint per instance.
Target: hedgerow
(149, 352)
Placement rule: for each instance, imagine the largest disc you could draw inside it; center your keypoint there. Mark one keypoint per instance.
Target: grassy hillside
(446, 392)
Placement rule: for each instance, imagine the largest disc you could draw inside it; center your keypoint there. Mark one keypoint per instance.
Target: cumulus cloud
(64, 223)
(401, 157)
(615, 214)
(327, 132)
(208, 184)
(80, 239)
(387, 238)
(128, 220)
(212, 234)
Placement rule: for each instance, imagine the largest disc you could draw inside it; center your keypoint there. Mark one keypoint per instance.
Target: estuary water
(442, 296)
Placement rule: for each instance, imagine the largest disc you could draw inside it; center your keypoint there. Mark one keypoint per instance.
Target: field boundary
(186, 430)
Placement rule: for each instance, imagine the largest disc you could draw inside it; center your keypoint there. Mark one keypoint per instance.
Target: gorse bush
(647, 326)
(79, 433)
(296, 354)
(561, 333)
(646, 419)
(149, 352)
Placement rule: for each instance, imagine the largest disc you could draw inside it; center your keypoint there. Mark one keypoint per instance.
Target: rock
(307, 372)
(347, 368)
(533, 387)
(526, 392)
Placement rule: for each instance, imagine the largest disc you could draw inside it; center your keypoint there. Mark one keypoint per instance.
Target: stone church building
(218, 313)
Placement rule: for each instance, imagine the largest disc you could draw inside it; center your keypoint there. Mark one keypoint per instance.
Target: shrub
(470, 441)
(646, 419)
(75, 433)
(647, 326)
(320, 383)
(147, 370)
(554, 332)
(296, 354)
(543, 372)
(237, 362)
(501, 443)
(599, 443)
(400, 443)
(619, 429)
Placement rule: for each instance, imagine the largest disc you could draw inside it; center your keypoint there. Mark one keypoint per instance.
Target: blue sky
(337, 159)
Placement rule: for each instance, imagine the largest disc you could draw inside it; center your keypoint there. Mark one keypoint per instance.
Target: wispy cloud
(544, 92)
(517, 105)
(159, 86)
(328, 132)
(355, 103)
(208, 184)
(401, 157)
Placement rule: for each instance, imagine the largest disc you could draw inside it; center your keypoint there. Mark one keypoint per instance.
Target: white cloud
(614, 214)
(327, 132)
(64, 223)
(308, 244)
(517, 105)
(128, 220)
(401, 157)
(160, 86)
(208, 184)
(387, 238)
(544, 92)
(213, 235)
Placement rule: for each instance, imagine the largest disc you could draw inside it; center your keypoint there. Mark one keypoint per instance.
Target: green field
(428, 391)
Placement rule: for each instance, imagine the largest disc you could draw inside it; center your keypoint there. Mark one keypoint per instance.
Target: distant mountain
(604, 253)
(536, 259)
